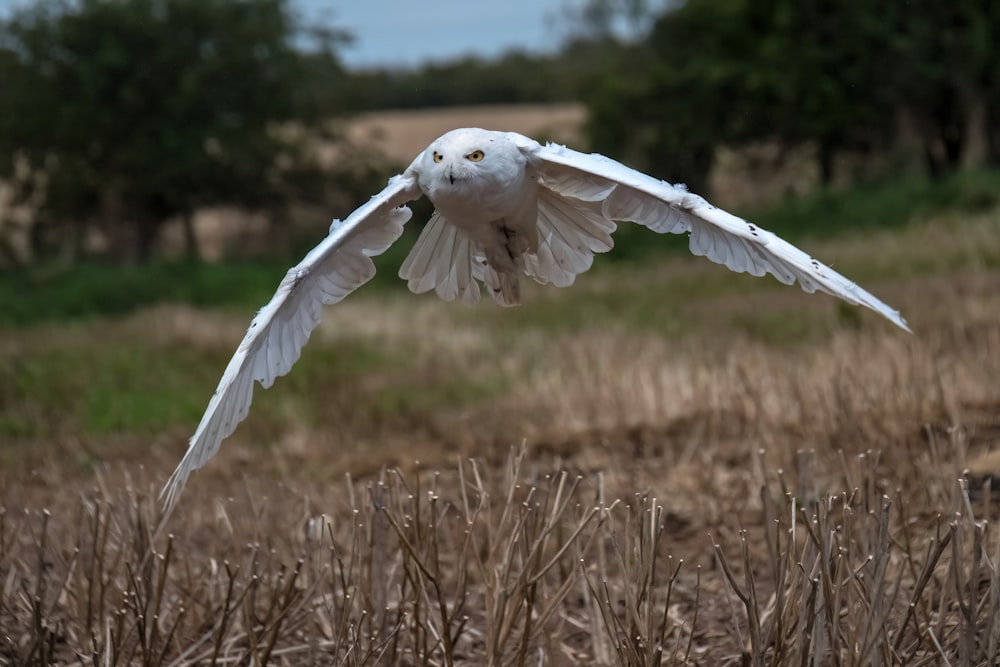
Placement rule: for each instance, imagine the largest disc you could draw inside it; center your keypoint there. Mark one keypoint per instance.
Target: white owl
(505, 206)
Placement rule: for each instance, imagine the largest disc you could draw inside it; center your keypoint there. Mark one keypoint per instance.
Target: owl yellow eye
(476, 156)
(438, 157)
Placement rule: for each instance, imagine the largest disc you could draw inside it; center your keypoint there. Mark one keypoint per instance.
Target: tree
(600, 20)
(118, 115)
(946, 79)
(838, 75)
(668, 102)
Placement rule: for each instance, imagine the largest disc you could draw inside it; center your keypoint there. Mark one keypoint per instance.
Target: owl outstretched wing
(625, 194)
(336, 267)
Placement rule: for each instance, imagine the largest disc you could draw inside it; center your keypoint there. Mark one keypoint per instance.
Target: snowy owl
(505, 206)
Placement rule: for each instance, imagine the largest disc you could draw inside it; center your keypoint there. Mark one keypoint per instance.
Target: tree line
(918, 81)
(119, 115)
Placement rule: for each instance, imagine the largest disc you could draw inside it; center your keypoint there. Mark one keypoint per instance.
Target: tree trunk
(943, 146)
(993, 136)
(908, 144)
(825, 154)
(191, 250)
(9, 257)
(946, 121)
(146, 233)
(975, 141)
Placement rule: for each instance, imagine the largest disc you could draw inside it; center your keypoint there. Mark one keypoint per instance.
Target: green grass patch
(325, 381)
(49, 293)
(580, 310)
(94, 387)
(881, 205)
(453, 391)
(105, 387)
(132, 387)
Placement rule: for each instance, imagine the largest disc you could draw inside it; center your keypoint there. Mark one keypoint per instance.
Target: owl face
(469, 160)
(474, 176)
(461, 156)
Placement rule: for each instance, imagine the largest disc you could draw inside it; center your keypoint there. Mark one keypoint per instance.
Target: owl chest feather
(484, 198)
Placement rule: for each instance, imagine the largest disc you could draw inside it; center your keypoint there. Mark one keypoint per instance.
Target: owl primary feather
(506, 207)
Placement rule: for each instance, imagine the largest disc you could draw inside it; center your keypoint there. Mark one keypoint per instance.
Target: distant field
(751, 177)
(717, 470)
(401, 135)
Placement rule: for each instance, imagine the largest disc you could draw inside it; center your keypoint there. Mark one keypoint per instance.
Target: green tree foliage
(118, 115)
(946, 77)
(601, 20)
(514, 78)
(843, 75)
(665, 100)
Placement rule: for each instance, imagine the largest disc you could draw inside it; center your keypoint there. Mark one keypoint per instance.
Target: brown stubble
(705, 497)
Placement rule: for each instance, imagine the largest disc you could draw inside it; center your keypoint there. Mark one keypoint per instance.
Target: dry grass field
(401, 135)
(661, 465)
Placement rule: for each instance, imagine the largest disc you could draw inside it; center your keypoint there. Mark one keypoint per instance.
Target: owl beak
(451, 174)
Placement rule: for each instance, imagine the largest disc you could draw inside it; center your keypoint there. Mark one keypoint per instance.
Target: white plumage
(506, 206)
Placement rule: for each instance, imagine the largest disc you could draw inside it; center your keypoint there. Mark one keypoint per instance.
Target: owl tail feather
(570, 231)
(444, 260)
(503, 285)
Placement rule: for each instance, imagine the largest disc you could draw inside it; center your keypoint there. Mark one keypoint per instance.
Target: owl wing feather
(625, 194)
(336, 267)
(445, 260)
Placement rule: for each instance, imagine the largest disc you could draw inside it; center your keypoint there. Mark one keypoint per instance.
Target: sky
(408, 33)
(412, 32)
